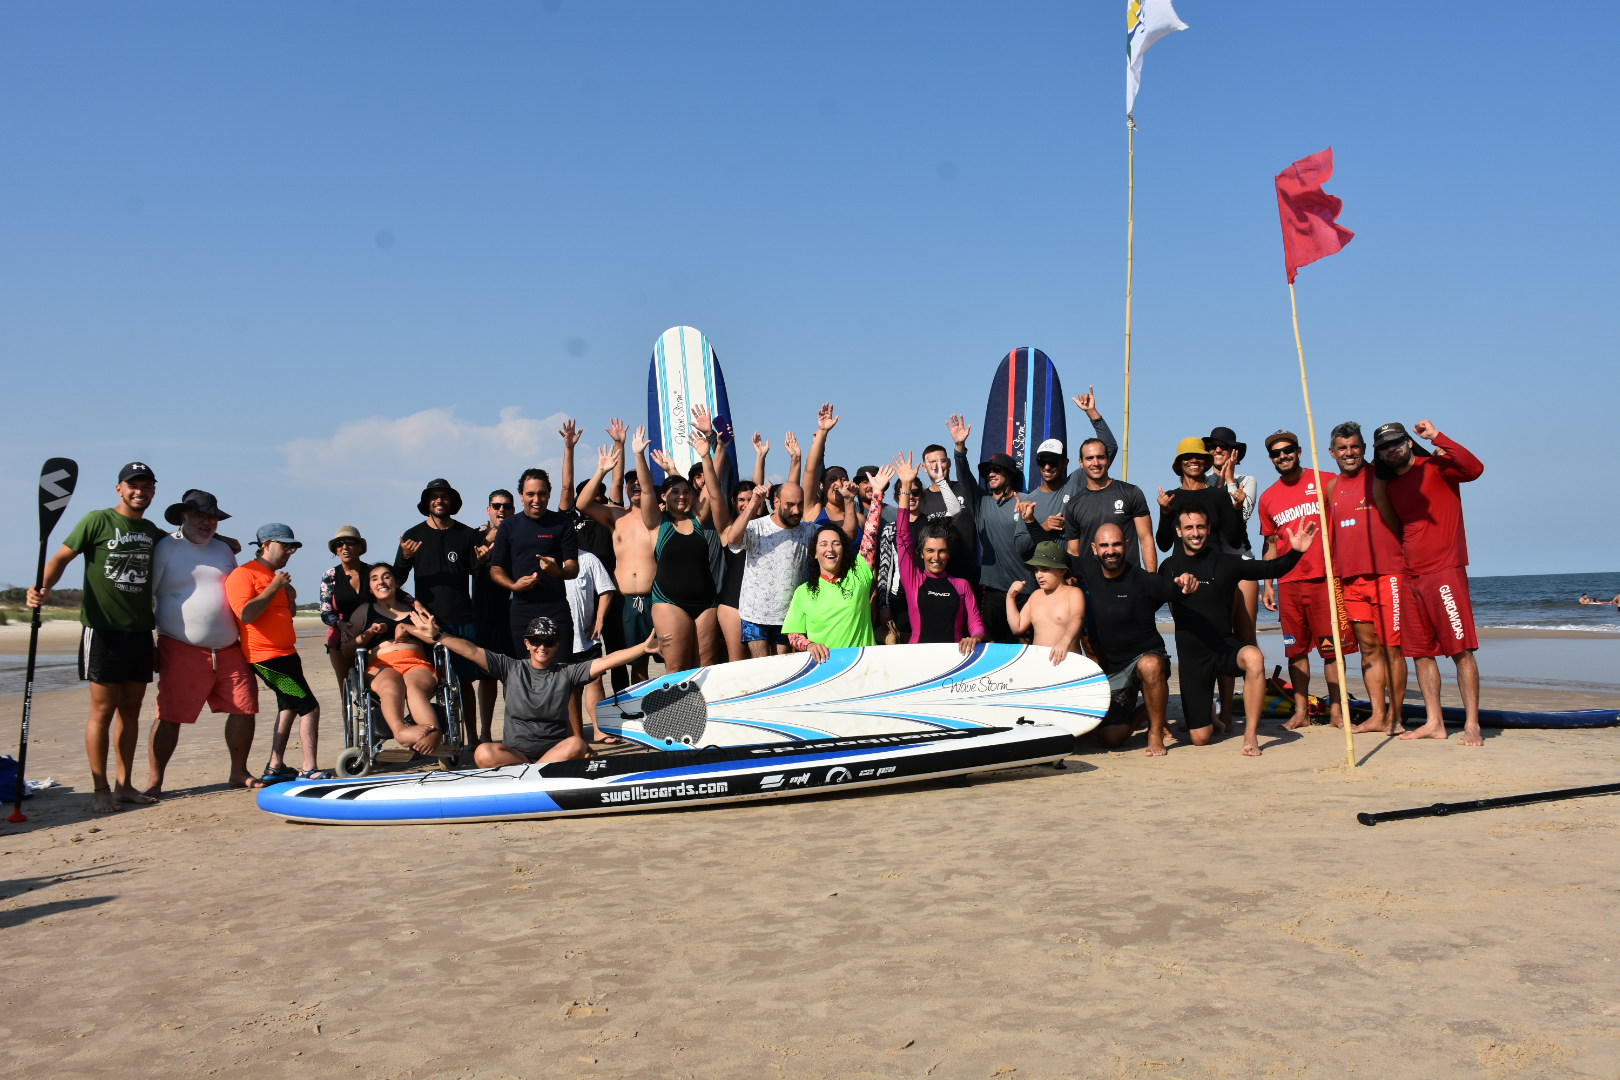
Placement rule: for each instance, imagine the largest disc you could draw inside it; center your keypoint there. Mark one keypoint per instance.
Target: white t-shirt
(775, 566)
(188, 591)
(592, 582)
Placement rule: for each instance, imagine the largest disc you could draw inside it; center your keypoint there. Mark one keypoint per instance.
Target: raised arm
(609, 458)
(826, 420)
(650, 514)
(874, 515)
(570, 436)
(617, 432)
(738, 529)
(1099, 427)
(960, 429)
(713, 493)
(761, 448)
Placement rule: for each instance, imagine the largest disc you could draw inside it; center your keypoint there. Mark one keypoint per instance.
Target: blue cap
(276, 531)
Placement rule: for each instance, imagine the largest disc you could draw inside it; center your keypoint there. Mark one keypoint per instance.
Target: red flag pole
(1327, 547)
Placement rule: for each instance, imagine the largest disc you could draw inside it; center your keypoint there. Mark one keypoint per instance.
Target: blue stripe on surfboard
(812, 674)
(527, 802)
(981, 654)
(763, 760)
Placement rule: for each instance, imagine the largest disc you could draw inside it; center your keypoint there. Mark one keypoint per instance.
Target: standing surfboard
(1025, 409)
(685, 372)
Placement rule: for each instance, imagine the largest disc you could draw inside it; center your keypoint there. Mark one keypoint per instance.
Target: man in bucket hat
(444, 555)
(199, 659)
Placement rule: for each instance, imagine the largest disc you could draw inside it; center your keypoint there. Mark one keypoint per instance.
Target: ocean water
(1546, 601)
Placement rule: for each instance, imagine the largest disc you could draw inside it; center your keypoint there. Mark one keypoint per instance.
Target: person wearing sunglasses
(539, 726)
(1417, 491)
(1300, 598)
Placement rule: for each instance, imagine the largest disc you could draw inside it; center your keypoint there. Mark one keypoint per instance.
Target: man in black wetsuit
(443, 553)
(1206, 645)
(1121, 599)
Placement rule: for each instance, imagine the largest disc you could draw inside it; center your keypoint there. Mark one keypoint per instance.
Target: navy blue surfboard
(1025, 408)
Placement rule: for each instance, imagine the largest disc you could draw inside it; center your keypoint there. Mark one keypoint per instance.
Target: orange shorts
(1376, 599)
(190, 677)
(401, 661)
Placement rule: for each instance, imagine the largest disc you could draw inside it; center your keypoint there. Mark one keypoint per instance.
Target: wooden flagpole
(1130, 271)
(1327, 548)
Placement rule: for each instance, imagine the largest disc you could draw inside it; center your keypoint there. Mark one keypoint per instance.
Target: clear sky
(310, 255)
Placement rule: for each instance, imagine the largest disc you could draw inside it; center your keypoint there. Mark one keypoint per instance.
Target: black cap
(136, 470)
(540, 626)
(439, 484)
(1392, 432)
(195, 499)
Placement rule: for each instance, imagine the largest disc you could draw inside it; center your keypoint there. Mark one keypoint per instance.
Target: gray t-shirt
(1118, 504)
(536, 701)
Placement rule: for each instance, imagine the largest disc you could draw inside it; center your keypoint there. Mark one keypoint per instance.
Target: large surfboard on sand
(685, 372)
(656, 779)
(1024, 409)
(874, 690)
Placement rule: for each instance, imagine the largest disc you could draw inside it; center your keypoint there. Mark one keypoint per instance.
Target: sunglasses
(347, 543)
(543, 642)
(1281, 451)
(501, 506)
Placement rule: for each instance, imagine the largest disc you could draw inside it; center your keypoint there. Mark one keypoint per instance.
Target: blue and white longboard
(685, 372)
(661, 780)
(861, 691)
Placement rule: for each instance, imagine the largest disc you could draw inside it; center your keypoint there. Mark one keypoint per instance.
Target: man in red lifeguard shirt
(1301, 599)
(1368, 561)
(1417, 492)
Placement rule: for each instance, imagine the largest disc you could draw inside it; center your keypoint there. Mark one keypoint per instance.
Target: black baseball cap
(136, 470)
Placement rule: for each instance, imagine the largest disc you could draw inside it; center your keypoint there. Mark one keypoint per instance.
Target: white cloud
(404, 453)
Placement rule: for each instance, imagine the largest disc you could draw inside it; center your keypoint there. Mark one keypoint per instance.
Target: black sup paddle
(1445, 809)
(56, 482)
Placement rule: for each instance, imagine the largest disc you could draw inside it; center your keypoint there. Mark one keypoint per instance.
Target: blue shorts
(770, 635)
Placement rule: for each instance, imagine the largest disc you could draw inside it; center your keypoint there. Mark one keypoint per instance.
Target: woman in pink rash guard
(942, 608)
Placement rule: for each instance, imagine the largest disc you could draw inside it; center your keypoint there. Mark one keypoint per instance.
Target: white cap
(1051, 446)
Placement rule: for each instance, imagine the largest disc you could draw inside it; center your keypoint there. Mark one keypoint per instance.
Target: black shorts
(284, 676)
(636, 618)
(115, 656)
(1199, 668)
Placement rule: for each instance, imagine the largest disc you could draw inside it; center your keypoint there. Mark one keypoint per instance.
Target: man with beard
(776, 550)
(1368, 561)
(1102, 500)
(1006, 540)
(199, 659)
(1207, 645)
(1121, 599)
(1302, 598)
(444, 554)
(1421, 497)
(115, 649)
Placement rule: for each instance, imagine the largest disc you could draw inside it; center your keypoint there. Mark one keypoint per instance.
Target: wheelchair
(365, 730)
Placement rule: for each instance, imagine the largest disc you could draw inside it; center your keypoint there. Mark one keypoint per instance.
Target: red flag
(1308, 212)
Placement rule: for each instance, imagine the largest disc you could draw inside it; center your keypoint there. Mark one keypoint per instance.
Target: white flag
(1146, 21)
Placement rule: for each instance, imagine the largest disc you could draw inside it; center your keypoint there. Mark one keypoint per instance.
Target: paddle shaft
(1446, 809)
(28, 695)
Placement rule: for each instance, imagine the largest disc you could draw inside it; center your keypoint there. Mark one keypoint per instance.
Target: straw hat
(347, 532)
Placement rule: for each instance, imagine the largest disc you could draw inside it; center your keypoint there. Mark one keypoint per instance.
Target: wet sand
(1197, 915)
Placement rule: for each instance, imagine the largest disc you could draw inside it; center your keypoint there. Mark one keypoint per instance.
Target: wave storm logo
(1452, 616)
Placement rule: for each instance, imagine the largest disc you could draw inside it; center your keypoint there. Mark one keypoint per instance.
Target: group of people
(545, 604)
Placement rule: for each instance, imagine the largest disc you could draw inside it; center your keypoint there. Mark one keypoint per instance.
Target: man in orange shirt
(260, 592)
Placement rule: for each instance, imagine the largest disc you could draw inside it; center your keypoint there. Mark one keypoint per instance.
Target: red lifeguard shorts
(1439, 615)
(1376, 599)
(1307, 619)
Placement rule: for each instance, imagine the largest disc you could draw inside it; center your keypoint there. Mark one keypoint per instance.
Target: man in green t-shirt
(115, 650)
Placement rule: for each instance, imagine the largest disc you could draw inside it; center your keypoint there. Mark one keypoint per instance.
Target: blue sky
(308, 256)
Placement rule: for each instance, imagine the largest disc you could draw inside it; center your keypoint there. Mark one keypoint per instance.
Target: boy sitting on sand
(1056, 610)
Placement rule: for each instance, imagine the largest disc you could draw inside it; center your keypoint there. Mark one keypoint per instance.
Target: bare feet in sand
(1471, 738)
(1427, 731)
(246, 780)
(102, 802)
(1155, 749)
(1298, 722)
(1251, 749)
(127, 794)
(1385, 728)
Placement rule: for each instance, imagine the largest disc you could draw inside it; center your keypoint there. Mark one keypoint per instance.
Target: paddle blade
(56, 482)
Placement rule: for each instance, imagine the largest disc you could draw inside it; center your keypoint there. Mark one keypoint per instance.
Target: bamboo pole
(1327, 548)
(1130, 272)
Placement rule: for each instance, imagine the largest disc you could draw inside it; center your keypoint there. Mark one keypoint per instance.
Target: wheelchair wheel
(352, 762)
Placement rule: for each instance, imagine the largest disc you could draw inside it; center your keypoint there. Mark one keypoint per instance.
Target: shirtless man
(1056, 610)
(634, 565)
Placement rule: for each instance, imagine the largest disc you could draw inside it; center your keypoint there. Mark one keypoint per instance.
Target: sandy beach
(1197, 915)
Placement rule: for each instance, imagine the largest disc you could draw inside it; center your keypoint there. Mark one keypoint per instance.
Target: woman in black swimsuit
(683, 592)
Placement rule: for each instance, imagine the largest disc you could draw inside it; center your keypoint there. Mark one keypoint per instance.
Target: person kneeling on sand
(1056, 610)
(538, 725)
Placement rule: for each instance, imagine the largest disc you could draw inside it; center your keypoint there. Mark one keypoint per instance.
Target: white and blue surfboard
(656, 779)
(856, 692)
(685, 372)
